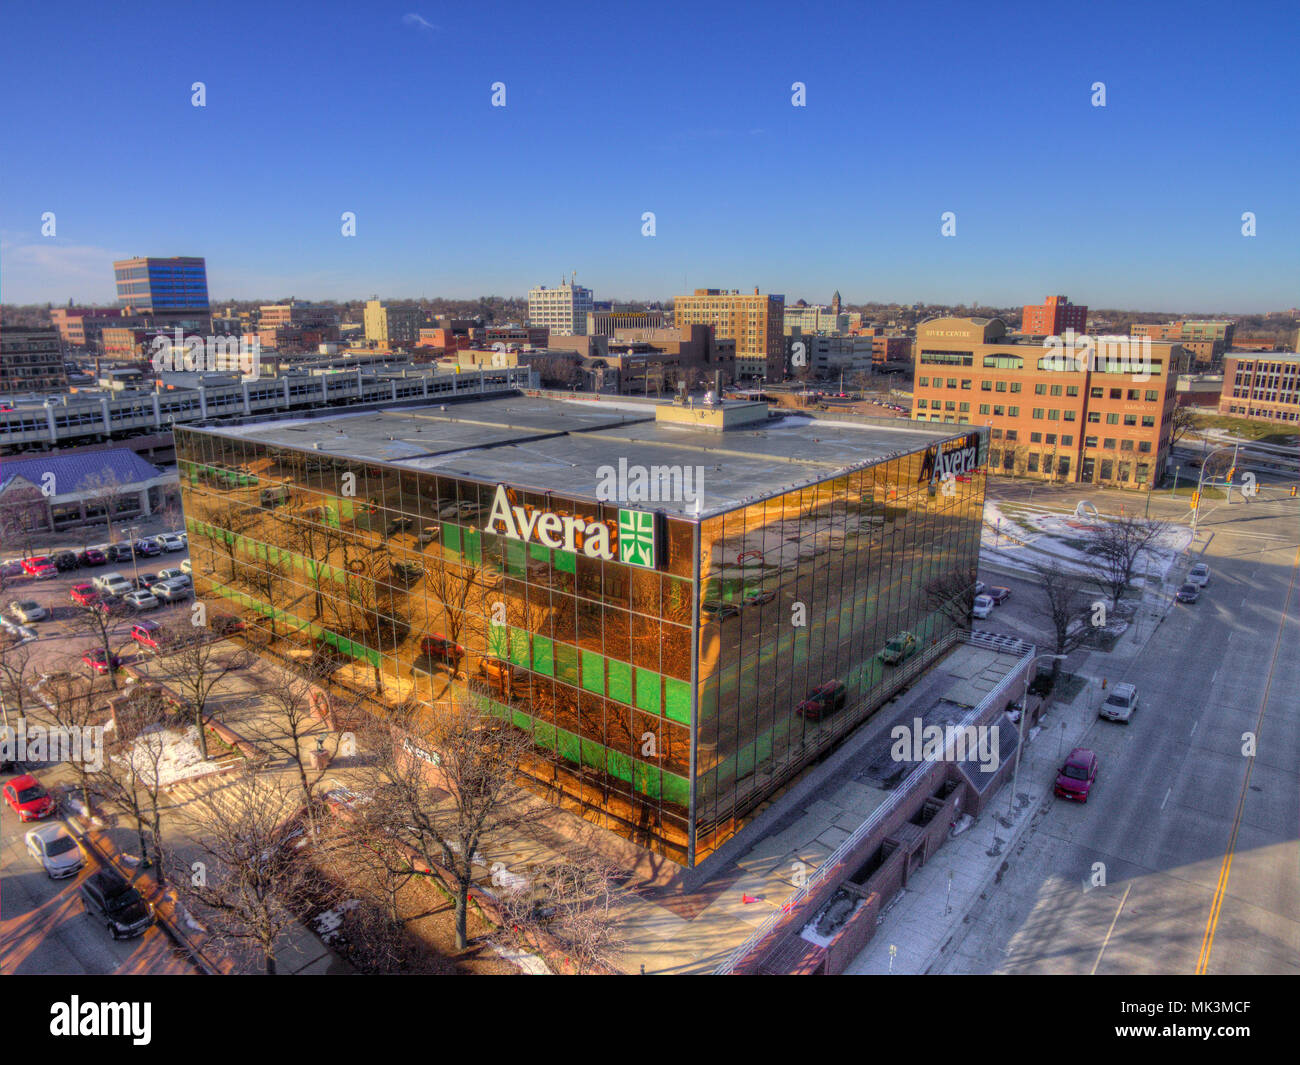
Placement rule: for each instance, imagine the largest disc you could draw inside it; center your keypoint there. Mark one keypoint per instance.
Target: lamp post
(1020, 732)
(1200, 480)
(135, 562)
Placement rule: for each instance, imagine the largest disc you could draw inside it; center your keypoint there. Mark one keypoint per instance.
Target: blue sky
(614, 110)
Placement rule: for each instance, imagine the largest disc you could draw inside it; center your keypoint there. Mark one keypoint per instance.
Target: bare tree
(195, 667)
(233, 521)
(574, 902)
(266, 580)
(1115, 547)
(18, 668)
(99, 620)
(105, 489)
(252, 880)
(72, 705)
(369, 849)
(23, 517)
(953, 594)
(1181, 422)
(131, 777)
(447, 773)
(1062, 605)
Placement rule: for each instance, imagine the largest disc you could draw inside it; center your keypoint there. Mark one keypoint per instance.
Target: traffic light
(1196, 499)
(1231, 471)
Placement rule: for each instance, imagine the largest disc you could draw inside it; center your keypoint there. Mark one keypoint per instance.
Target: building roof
(80, 470)
(553, 445)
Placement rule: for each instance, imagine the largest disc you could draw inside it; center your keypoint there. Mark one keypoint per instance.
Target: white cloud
(52, 271)
(419, 22)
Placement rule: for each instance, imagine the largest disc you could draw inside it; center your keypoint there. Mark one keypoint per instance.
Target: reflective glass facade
(392, 578)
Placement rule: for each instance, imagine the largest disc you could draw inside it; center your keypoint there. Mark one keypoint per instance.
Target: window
(965, 407)
(922, 381)
(1130, 419)
(1067, 440)
(1001, 386)
(1144, 446)
(1011, 434)
(1108, 444)
(1124, 469)
(986, 386)
(1056, 390)
(952, 382)
(1071, 390)
(1015, 386)
(1063, 465)
(1112, 419)
(1037, 413)
(998, 412)
(1143, 473)
(922, 403)
(1148, 421)
(1134, 394)
(1107, 469)
(1050, 439)
(1035, 438)
(1033, 464)
(1094, 416)
(1153, 396)
(996, 434)
(984, 408)
(950, 405)
(1053, 415)
(966, 383)
(1070, 415)
(1095, 393)
(994, 457)
(1126, 445)
(1040, 390)
(1089, 441)
(1116, 393)
(1014, 412)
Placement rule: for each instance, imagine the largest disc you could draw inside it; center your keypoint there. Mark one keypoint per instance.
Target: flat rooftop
(544, 444)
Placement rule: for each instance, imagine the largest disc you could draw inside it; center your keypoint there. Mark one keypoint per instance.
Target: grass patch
(1262, 432)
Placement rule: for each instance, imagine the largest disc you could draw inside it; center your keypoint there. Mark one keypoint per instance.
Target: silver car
(53, 846)
(1120, 703)
(1199, 575)
(28, 610)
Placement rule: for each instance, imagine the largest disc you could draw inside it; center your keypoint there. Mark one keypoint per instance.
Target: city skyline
(1135, 204)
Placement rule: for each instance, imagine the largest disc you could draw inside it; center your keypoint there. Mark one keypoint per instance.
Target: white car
(113, 583)
(59, 854)
(28, 610)
(173, 575)
(186, 568)
(1120, 703)
(170, 542)
(172, 591)
(983, 606)
(1199, 575)
(141, 600)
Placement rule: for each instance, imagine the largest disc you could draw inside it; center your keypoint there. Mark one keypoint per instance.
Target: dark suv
(115, 902)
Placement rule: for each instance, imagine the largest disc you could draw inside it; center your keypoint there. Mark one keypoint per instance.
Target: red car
(441, 651)
(823, 700)
(30, 801)
(149, 634)
(31, 565)
(98, 663)
(225, 624)
(46, 572)
(84, 594)
(1077, 776)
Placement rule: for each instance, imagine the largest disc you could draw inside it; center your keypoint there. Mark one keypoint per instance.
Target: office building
(32, 360)
(392, 325)
(607, 323)
(755, 322)
(615, 583)
(1053, 317)
(562, 310)
(1052, 414)
(166, 291)
(1263, 386)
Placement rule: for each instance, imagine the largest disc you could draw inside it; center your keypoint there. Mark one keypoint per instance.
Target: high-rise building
(562, 310)
(1103, 418)
(1053, 317)
(755, 322)
(1264, 386)
(166, 290)
(392, 325)
(32, 360)
(606, 323)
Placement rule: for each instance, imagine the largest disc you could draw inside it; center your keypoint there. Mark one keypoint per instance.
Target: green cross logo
(636, 538)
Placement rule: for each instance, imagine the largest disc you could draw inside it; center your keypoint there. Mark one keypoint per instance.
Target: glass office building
(657, 640)
(163, 287)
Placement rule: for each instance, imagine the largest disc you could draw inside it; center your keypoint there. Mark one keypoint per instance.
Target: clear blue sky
(680, 109)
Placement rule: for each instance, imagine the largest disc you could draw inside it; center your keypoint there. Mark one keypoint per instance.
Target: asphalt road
(1197, 841)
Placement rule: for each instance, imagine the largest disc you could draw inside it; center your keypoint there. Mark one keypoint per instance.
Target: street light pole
(1020, 733)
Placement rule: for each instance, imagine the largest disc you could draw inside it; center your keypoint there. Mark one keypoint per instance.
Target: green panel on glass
(593, 754)
(346, 509)
(647, 690)
(593, 672)
(647, 779)
(539, 552)
(619, 765)
(451, 537)
(619, 683)
(498, 641)
(677, 700)
(544, 655)
(519, 653)
(566, 561)
(516, 558)
(522, 720)
(566, 663)
(745, 760)
(473, 546)
(544, 735)
(676, 789)
(570, 746)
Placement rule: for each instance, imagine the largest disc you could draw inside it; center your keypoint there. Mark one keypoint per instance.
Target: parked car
(760, 596)
(142, 582)
(186, 568)
(11, 568)
(823, 701)
(97, 662)
(898, 648)
(28, 799)
(1188, 593)
(65, 560)
(225, 624)
(436, 649)
(1076, 777)
(92, 556)
(170, 542)
(141, 600)
(119, 553)
(45, 572)
(111, 899)
(28, 610)
(172, 591)
(1120, 703)
(84, 594)
(981, 587)
(53, 846)
(1199, 575)
(31, 565)
(407, 572)
(112, 583)
(174, 574)
(998, 594)
(720, 611)
(982, 607)
(147, 548)
(151, 635)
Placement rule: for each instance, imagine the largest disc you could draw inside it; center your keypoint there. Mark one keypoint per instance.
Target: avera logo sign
(955, 457)
(636, 538)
